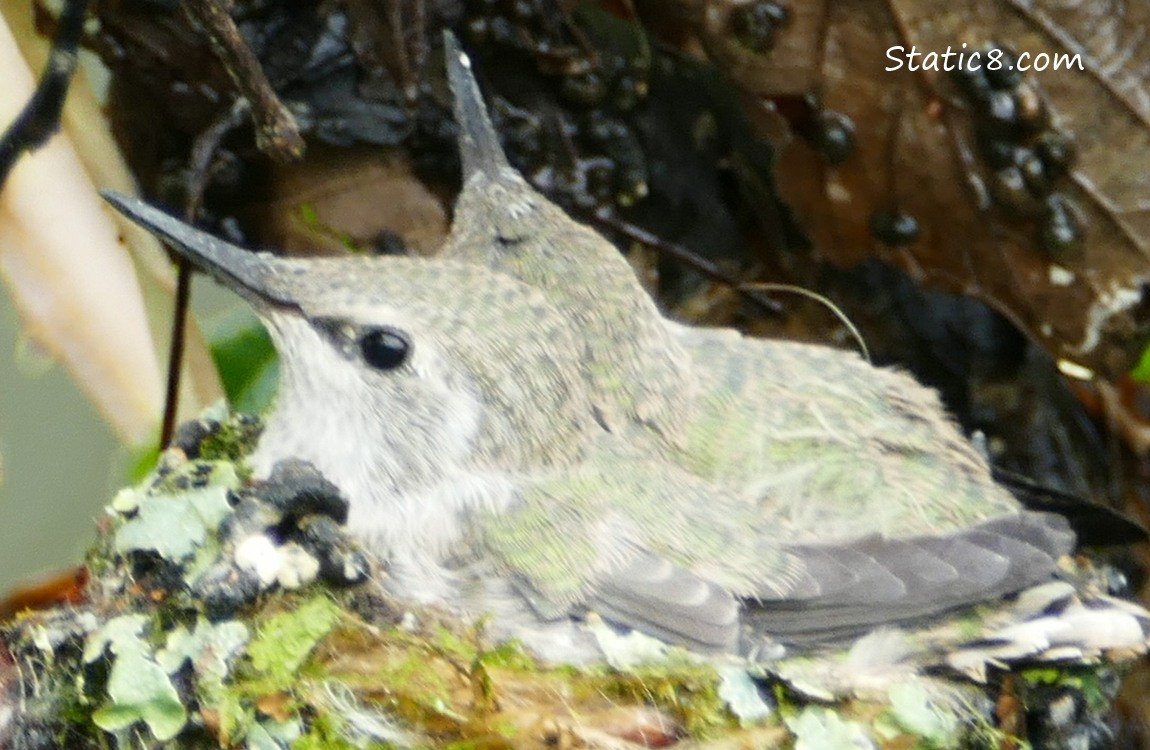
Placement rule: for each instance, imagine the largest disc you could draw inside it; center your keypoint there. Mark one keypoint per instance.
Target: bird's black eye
(384, 348)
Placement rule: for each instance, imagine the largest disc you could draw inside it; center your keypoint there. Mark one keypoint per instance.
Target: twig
(682, 254)
(277, 133)
(40, 117)
(199, 174)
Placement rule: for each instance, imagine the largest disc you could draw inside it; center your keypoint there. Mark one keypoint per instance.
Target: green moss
(317, 657)
(326, 732)
(507, 655)
(234, 440)
(285, 641)
(1096, 684)
(689, 692)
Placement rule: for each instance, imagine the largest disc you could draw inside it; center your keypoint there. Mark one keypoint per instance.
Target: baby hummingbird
(522, 434)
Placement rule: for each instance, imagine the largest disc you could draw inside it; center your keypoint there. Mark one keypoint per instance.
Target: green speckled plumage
(725, 453)
(551, 444)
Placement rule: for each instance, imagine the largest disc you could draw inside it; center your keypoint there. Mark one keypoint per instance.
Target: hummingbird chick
(523, 436)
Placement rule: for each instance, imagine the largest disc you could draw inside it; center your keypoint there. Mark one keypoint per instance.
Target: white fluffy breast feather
(413, 488)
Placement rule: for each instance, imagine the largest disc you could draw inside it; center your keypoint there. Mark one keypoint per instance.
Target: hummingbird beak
(247, 273)
(479, 146)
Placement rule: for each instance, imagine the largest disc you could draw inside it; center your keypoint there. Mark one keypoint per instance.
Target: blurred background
(61, 461)
(984, 229)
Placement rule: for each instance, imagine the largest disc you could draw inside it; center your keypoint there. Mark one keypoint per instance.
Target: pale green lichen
(273, 736)
(915, 711)
(743, 695)
(173, 526)
(208, 647)
(820, 728)
(322, 668)
(138, 688)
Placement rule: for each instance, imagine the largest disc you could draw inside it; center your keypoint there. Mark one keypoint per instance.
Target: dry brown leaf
(361, 191)
(917, 155)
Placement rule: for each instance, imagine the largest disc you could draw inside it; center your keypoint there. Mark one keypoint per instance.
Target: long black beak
(479, 146)
(252, 275)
